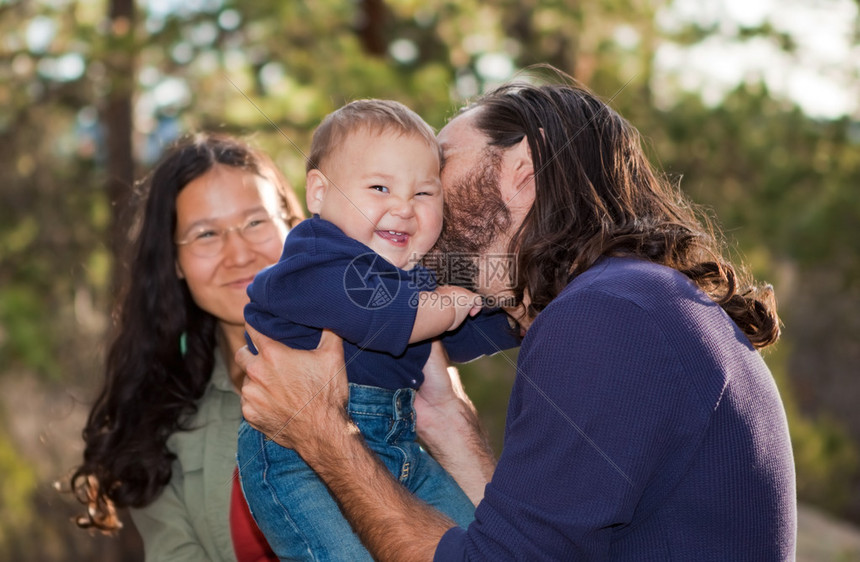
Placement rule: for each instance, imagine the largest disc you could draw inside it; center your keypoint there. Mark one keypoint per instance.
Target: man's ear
(315, 188)
(521, 169)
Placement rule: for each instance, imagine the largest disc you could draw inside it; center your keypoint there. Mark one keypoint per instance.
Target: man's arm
(392, 523)
(303, 407)
(448, 425)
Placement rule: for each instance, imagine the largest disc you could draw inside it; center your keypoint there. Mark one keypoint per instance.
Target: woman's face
(219, 204)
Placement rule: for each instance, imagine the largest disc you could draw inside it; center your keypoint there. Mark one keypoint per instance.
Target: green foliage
(17, 488)
(827, 462)
(775, 178)
(25, 341)
(488, 383)
(826, 458)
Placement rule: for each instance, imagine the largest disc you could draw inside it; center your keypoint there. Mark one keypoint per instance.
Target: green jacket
(190, 519)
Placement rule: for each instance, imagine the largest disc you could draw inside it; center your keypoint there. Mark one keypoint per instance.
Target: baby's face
(382, 189)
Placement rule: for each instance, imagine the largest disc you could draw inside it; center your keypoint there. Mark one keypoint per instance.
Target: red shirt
(249, 544)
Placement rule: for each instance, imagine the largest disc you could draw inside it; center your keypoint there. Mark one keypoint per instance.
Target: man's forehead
(461, 135)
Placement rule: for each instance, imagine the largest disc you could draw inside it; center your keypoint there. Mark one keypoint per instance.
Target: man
(643, 424)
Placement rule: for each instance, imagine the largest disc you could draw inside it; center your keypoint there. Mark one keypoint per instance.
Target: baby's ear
(315, 188)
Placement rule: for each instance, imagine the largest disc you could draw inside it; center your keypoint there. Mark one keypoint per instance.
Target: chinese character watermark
(372, 283)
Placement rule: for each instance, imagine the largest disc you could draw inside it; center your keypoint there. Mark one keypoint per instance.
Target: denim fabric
(293, 507)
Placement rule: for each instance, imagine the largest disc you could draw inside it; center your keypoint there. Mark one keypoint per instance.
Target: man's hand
(292, 395)
(441, 390)
(298, 399)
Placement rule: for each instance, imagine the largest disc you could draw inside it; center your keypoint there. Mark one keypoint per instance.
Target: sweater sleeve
(595, 413)
(487, 333)
(330, 283)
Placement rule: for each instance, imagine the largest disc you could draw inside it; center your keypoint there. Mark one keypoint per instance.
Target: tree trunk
(371, 26)
(117, 121)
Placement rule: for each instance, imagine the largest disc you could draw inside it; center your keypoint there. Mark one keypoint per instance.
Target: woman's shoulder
(215, 421)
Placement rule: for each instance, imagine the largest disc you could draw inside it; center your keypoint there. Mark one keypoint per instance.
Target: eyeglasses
(207, 242)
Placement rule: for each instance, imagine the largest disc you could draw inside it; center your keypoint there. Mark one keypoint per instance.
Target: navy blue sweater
(325, 279)
(642, 426)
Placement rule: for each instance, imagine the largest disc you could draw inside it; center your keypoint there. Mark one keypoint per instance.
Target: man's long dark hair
(150, 386)
(597, 195)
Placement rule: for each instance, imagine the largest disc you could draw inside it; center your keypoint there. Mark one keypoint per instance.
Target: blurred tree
(783, 187)
(119, 61)
(54, 261)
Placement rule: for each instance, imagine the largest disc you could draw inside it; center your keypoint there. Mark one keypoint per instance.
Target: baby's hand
(443, 310)
(462, 302)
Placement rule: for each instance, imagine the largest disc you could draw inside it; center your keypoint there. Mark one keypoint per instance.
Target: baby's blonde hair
(373, 115)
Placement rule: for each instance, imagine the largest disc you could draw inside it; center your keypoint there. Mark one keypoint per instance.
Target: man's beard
(475, 216)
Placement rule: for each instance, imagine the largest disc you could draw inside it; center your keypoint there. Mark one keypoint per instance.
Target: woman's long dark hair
(150, 386)
(597, 195)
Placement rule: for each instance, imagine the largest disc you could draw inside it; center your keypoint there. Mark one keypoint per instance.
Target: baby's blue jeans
(293, 507)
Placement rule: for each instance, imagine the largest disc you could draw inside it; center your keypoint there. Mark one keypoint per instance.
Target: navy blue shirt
(642, 425)
(326, 279)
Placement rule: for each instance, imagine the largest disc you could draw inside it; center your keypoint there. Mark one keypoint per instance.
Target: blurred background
(753, 105)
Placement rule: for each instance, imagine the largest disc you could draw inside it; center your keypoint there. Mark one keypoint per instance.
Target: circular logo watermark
(371, 282)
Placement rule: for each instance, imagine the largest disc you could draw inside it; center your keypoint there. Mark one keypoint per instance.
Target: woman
(161, 438)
